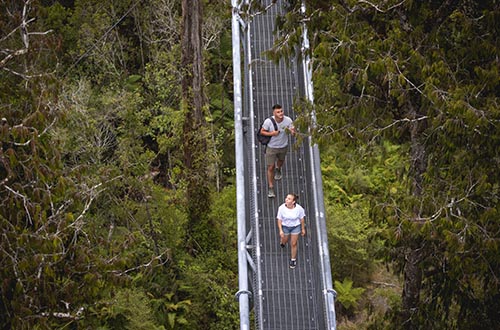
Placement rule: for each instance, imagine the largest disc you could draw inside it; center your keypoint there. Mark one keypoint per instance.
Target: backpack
(264, 139)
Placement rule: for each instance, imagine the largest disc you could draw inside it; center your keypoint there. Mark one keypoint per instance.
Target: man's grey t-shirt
(281, 140)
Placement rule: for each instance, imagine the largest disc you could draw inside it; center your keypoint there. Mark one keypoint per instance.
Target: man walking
(277, 147)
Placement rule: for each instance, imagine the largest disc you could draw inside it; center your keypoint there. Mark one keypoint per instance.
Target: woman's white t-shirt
(290, 217)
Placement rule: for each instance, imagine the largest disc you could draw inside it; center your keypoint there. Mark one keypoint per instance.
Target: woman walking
(291, 223)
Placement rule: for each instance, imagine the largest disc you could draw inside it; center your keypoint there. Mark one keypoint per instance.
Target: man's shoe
(277, 174)
(293, 263)
(270, 193)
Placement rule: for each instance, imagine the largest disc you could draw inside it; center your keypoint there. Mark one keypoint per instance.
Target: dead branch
(25, 38)
(148, 264)
(25, 202)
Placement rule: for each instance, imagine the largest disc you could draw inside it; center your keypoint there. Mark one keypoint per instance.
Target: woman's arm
(280, 227)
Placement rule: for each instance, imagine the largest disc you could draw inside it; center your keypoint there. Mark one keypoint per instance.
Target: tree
(425, 75)
(91, 116)
(65, 200)
(195, 130)
(43, 250)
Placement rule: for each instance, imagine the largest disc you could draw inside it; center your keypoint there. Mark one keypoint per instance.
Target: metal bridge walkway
(282, 298)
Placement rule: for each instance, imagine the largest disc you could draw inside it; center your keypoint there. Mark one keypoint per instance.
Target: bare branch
(25, 76)
(158, 257)
(263, 10)
(66, 315)
(25, 37)
(406, 120)
(377, 8)
(11, 56)
(93, 192)
(25, 202)
(385, 284)
(40, 33)
(409, 81)
(26, 143)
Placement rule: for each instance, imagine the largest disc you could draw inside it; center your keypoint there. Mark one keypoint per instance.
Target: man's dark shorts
(275, 154)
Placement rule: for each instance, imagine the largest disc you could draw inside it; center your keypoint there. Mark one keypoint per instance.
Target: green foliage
(352, 253)
(212, 285)
(93, 200)
(354, 176)
(223, 218)
(384, 301)
(346, 294)
(127, 309)
(173, 312)
(423, 76)
(353, 179)
(210, 280)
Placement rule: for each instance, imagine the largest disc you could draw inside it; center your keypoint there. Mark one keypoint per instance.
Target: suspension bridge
(271, 295)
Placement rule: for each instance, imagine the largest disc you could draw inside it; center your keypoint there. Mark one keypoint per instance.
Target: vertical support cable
(243, 292)
(328, 293)
(253, 175)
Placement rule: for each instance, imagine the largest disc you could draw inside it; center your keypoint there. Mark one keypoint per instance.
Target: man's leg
(279, 164)
(270, 162)
(277, 170)
(270, 176)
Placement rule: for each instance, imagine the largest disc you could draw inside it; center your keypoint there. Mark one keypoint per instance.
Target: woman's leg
(284, 239)
(293, 240)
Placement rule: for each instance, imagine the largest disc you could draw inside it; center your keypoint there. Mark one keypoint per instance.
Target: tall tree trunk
(414, 253)
(192, 61)
(195, 130)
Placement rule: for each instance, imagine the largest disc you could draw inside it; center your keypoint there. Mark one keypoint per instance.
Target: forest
(117, 174)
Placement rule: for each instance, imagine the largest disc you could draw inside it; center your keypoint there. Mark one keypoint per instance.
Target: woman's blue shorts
(291, 230)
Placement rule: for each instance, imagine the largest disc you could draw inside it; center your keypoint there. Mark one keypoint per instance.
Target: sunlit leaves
(347, 295)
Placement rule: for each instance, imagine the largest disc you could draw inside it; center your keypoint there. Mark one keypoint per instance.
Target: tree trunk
(195, 130)
(414, 255)
(411, 289)
(192, 61)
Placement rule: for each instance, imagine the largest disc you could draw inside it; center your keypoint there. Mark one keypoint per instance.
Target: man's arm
(290, 127)
(265, 132)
